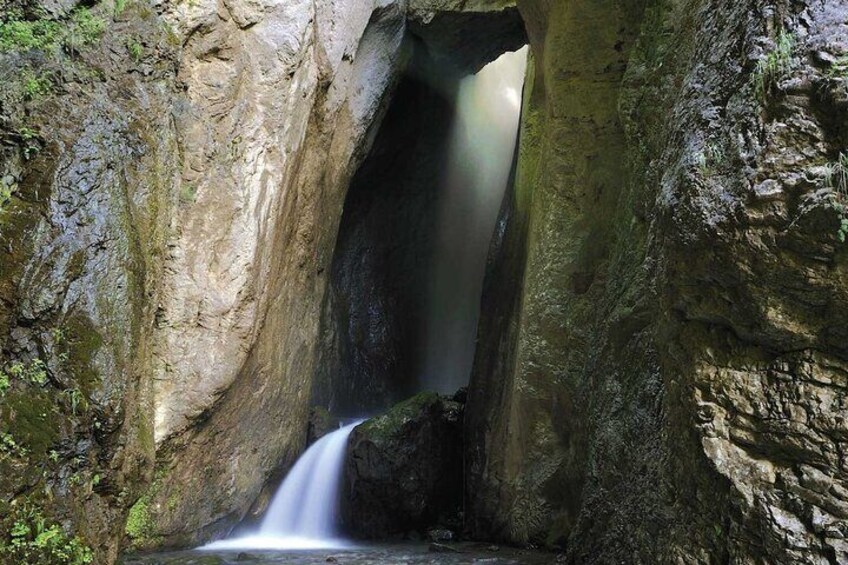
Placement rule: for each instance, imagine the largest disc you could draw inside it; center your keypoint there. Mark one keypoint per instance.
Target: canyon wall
(661, 372)
(173, 181)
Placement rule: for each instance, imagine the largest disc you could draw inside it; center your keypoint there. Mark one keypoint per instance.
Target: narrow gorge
(580, 264)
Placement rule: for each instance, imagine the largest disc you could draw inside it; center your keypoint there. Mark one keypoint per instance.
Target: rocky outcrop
(403, 471)
(661, 371)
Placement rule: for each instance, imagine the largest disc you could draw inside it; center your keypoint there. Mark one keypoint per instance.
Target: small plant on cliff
(85, 28)
(36, 86)
(30, 142)
(20, 34)
(775, 65)
(710, 157)
(839, 69)
(836, 178)
(136, 49)
(34, 373)
(27, 537)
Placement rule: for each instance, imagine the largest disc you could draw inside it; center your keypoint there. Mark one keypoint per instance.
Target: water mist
(481, 155)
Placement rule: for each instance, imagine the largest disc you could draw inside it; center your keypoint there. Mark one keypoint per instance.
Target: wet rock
(321, 422)
(442, 548)
(440, 535)
(693, 341)
(243, 557)
(465, 35)
(403, 470)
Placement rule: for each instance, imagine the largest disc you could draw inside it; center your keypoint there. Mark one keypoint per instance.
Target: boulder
(403, 472)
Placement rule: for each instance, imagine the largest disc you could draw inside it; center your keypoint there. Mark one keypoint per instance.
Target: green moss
(30, 416)
(141, 527)
(81, 344)
(139, 522)
(389, 423)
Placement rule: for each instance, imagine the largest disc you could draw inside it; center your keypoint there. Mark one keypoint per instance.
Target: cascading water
(481, 156)
(304, 512)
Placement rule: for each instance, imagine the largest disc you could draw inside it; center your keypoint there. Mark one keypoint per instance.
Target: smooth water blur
(481, 155)
(304, 513)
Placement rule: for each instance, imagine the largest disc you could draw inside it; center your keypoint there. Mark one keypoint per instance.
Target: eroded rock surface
(661, 376)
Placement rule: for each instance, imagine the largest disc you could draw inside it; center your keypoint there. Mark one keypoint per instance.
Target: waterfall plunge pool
(372, 554)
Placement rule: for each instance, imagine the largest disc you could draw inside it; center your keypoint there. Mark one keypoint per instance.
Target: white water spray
(481, 156)
(304, 513)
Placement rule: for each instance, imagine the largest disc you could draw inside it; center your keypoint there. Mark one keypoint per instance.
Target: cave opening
(406, 279)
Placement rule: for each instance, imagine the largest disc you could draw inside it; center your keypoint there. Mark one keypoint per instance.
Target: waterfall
(481, 155)
(304, 512)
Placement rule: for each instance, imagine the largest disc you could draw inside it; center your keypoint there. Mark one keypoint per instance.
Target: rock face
(661, 373)
(172, 186)
(403, 471)
(375, 312)
(88, 161)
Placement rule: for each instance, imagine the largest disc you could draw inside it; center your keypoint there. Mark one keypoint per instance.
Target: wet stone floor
(390, 554)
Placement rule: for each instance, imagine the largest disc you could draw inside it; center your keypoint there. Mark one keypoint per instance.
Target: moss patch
(389, 423)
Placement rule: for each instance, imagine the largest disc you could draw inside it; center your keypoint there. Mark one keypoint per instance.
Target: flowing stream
(304, 512)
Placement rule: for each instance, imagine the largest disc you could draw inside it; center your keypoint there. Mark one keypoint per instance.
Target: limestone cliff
(661, 375)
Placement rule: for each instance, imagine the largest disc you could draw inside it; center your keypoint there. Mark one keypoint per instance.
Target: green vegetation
(9, 446)
(22, 35)
(36, 86)
(139, 522)
(839, 70)
(836, 178)
(136, 49)
(119, 6)
(18, 34)
(7, 189)
(188, 193)
(774, 66)
(26, 536)
(140, 526)
(711, 157)
(34, 373)
(30, 141)
(84, 29)
(75, 399)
